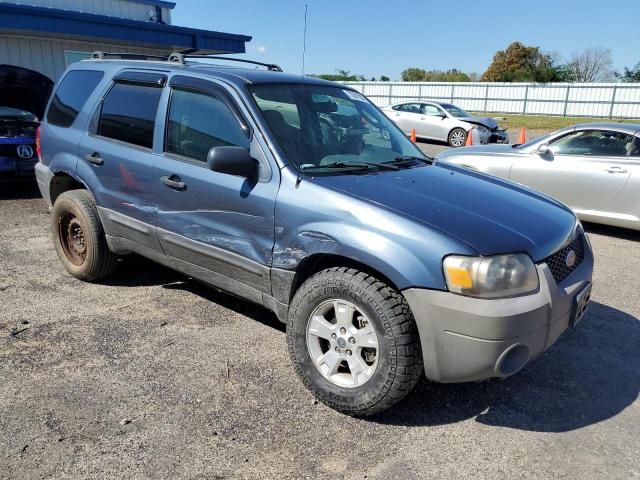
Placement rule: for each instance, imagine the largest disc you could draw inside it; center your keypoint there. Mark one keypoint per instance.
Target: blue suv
(301, 196)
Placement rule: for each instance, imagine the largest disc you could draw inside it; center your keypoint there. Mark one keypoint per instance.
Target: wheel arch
(317, 262)
(63, 181)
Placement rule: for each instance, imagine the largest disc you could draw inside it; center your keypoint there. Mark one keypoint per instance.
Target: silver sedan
(444, 122)
(594, 168)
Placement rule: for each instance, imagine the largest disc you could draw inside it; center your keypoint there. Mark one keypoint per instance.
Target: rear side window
(199, 122)
(129, 114)
(72, 94)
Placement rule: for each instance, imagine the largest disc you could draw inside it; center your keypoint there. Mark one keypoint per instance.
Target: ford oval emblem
(570, 258)
(25, 151)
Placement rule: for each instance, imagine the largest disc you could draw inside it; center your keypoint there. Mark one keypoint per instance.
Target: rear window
(72, 94)
(129, 114)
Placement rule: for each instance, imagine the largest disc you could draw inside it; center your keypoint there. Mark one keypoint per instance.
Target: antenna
(304, 52)
(304, 39)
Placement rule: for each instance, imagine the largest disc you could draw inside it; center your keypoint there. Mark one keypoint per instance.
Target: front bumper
(466, 339)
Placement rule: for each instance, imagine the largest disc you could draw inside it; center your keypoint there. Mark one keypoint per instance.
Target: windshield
(455, 111)
(321, 127)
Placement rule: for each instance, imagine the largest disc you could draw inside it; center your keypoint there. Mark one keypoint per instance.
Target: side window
(411, 108)
(198, 122)
(595, 143)
(129, 114)
(71, 95)
(431, 110)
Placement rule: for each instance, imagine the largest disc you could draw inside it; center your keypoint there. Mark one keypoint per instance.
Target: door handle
(94, 158)
(615, 170)
(173, 182)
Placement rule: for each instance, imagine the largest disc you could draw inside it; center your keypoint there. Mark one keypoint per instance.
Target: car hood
(27, 90)
(475, 150)
(489, 214)
(490, 123)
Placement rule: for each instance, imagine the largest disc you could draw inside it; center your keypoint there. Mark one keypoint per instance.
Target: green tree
(519, 63)
(340, 76)
(630, 74)
(384, 78)
(414, 74)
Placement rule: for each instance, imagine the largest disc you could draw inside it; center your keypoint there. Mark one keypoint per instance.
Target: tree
(414, 74)
(340, 76)
(592, 65)
(519, 63)
(630, 74)
(384, 78)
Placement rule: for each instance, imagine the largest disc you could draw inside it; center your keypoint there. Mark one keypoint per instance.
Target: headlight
(491, 277)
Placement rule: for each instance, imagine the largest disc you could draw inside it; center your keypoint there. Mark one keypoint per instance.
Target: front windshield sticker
(355, 96)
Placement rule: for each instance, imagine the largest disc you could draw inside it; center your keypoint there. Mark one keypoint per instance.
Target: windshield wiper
(403, 160)
(350, 165)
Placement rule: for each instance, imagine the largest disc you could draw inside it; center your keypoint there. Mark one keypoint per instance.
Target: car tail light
(38, 150)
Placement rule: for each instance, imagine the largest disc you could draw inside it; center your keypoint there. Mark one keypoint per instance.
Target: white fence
(608, 100)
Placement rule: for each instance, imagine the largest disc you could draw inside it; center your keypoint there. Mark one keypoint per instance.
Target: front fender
(312, 219)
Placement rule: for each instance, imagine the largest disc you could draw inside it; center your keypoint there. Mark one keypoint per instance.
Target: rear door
(221, 222)
(586, 169)
(116, 155)
(406, 116)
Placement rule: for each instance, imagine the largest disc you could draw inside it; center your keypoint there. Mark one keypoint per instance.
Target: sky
(383, 37)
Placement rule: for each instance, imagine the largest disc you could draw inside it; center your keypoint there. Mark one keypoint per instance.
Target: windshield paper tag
(355, 96)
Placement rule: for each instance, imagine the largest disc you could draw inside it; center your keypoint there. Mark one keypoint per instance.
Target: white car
(594, 168)
(444, 122)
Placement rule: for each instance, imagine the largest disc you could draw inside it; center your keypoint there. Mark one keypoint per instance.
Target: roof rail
(127, 56)
(179, 58)
(270, 66)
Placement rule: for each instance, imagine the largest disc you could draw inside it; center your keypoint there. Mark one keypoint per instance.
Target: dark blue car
(303, 197)
(17, 143)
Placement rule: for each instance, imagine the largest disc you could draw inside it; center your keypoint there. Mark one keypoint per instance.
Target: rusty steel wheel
(72, 238)
(79, 237)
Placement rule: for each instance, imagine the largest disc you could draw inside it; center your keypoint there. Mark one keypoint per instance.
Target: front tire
(353, 341)
(79, 237)
(457, 137)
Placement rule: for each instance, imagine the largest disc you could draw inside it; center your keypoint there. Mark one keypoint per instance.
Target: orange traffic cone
(413, 135)
(469, 141)
(523, 136)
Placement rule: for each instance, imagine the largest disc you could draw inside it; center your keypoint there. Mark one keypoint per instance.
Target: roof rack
(179, 58)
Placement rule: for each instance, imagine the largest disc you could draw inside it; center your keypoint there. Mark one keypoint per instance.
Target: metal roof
(87, 26)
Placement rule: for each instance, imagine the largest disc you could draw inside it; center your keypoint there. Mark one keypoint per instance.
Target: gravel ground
(153, 375)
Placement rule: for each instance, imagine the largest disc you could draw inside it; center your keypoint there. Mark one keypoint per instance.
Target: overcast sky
(383, 37)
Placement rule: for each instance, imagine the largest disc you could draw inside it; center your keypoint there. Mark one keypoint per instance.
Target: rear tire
(457, 137)
(79, 237)
(375, 359)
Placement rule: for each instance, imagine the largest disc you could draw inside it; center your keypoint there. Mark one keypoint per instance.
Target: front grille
(557, 262)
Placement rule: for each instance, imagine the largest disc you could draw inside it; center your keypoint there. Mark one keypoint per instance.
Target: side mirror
(442, 116)
(232, 161)
(544, 149)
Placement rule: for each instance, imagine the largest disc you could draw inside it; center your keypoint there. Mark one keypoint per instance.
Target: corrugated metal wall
(47, 55)
(608, 100)
(112, 8)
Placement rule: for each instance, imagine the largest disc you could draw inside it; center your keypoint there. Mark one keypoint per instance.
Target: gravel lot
(152, 375)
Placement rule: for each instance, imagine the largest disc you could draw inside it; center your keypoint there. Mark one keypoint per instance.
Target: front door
(221, 222)
(584, 169)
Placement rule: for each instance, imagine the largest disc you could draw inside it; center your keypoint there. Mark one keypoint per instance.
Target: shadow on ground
(623, 233)
(591, 374)
(21, 189)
